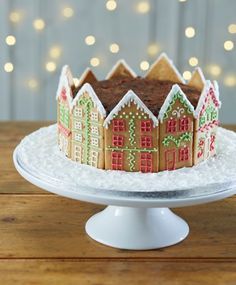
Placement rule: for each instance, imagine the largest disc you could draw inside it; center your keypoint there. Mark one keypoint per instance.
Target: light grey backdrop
(164, 24)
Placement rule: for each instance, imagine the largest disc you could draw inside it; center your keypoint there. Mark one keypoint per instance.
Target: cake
(126, 122)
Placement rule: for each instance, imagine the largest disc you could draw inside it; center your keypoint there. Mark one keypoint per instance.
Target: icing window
(94, 116)
(94, 130)
(118, 125)
(184, 154)
(78, 125)
(171, 126)
(78, 112)
(117, 160)
(94, 158)
(146, 141)
(77, 153)
(94, 141)
(146, 126)
(146, 162)
(184, 124)
(117, 140)
(78, 137)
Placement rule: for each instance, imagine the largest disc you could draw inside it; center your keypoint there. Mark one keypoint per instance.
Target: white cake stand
(136, 220)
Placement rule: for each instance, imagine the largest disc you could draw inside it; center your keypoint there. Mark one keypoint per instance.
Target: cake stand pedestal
(133, 220)
(137, 228)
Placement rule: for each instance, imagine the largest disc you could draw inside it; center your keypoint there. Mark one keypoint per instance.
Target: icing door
(170, 159)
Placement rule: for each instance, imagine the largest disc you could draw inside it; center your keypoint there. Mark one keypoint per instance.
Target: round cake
(130, 123)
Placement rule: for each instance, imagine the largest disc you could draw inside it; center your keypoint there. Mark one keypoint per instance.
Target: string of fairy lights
(142, 7)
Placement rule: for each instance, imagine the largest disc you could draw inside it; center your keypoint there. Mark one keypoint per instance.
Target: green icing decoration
(131, 159)
(177, 141)
(209, 115)
(135, 149)
(87, 103)
(131, 131)
(64, 115)
(177, 96)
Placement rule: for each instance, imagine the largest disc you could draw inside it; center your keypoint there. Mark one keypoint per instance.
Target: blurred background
(38, 37)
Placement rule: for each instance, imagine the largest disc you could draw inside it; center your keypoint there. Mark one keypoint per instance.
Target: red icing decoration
(200, 147)
(63, 94)
(184, 124)
(117, 160)
(146, 126)
(63, 130)
(184, 154)
(209, 126)
(118, 125)
(170, 158)
(146, 141)
(117, 140)
(171, 126)
(146, 162)
(212, 143)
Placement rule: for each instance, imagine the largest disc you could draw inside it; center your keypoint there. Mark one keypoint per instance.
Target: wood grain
(102, 272)
(52, 226)
(43, 241)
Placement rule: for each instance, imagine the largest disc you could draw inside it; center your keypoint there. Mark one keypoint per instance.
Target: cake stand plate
(136, 220)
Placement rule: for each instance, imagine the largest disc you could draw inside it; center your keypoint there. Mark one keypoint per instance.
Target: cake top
(152, 92)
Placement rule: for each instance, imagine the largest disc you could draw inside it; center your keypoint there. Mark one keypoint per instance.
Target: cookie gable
(176, 131)
(87, 133)
(64, 100)
(131, 136)
(207, 121)
(134, 124)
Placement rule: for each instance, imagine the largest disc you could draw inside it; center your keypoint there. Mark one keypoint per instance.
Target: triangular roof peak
(121, 68)
(66, 81)
(87, 88)
(174, 90)
(130, 97)
(203, 97)
(164, 69)
(87, 77)
(198, 79)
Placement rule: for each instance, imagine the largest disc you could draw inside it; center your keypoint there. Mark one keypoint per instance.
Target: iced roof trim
(204, 95)
(175, 89)
(89, 89)
(123, 63)
(171, 64)
(130, 97)
(64, 82)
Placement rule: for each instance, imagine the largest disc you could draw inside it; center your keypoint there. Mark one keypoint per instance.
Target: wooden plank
(60, 272)
(52, 226)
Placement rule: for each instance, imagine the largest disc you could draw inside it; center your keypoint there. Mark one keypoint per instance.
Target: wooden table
(43, 241)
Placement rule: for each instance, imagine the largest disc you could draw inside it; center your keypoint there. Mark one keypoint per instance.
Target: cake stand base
(137, 228)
